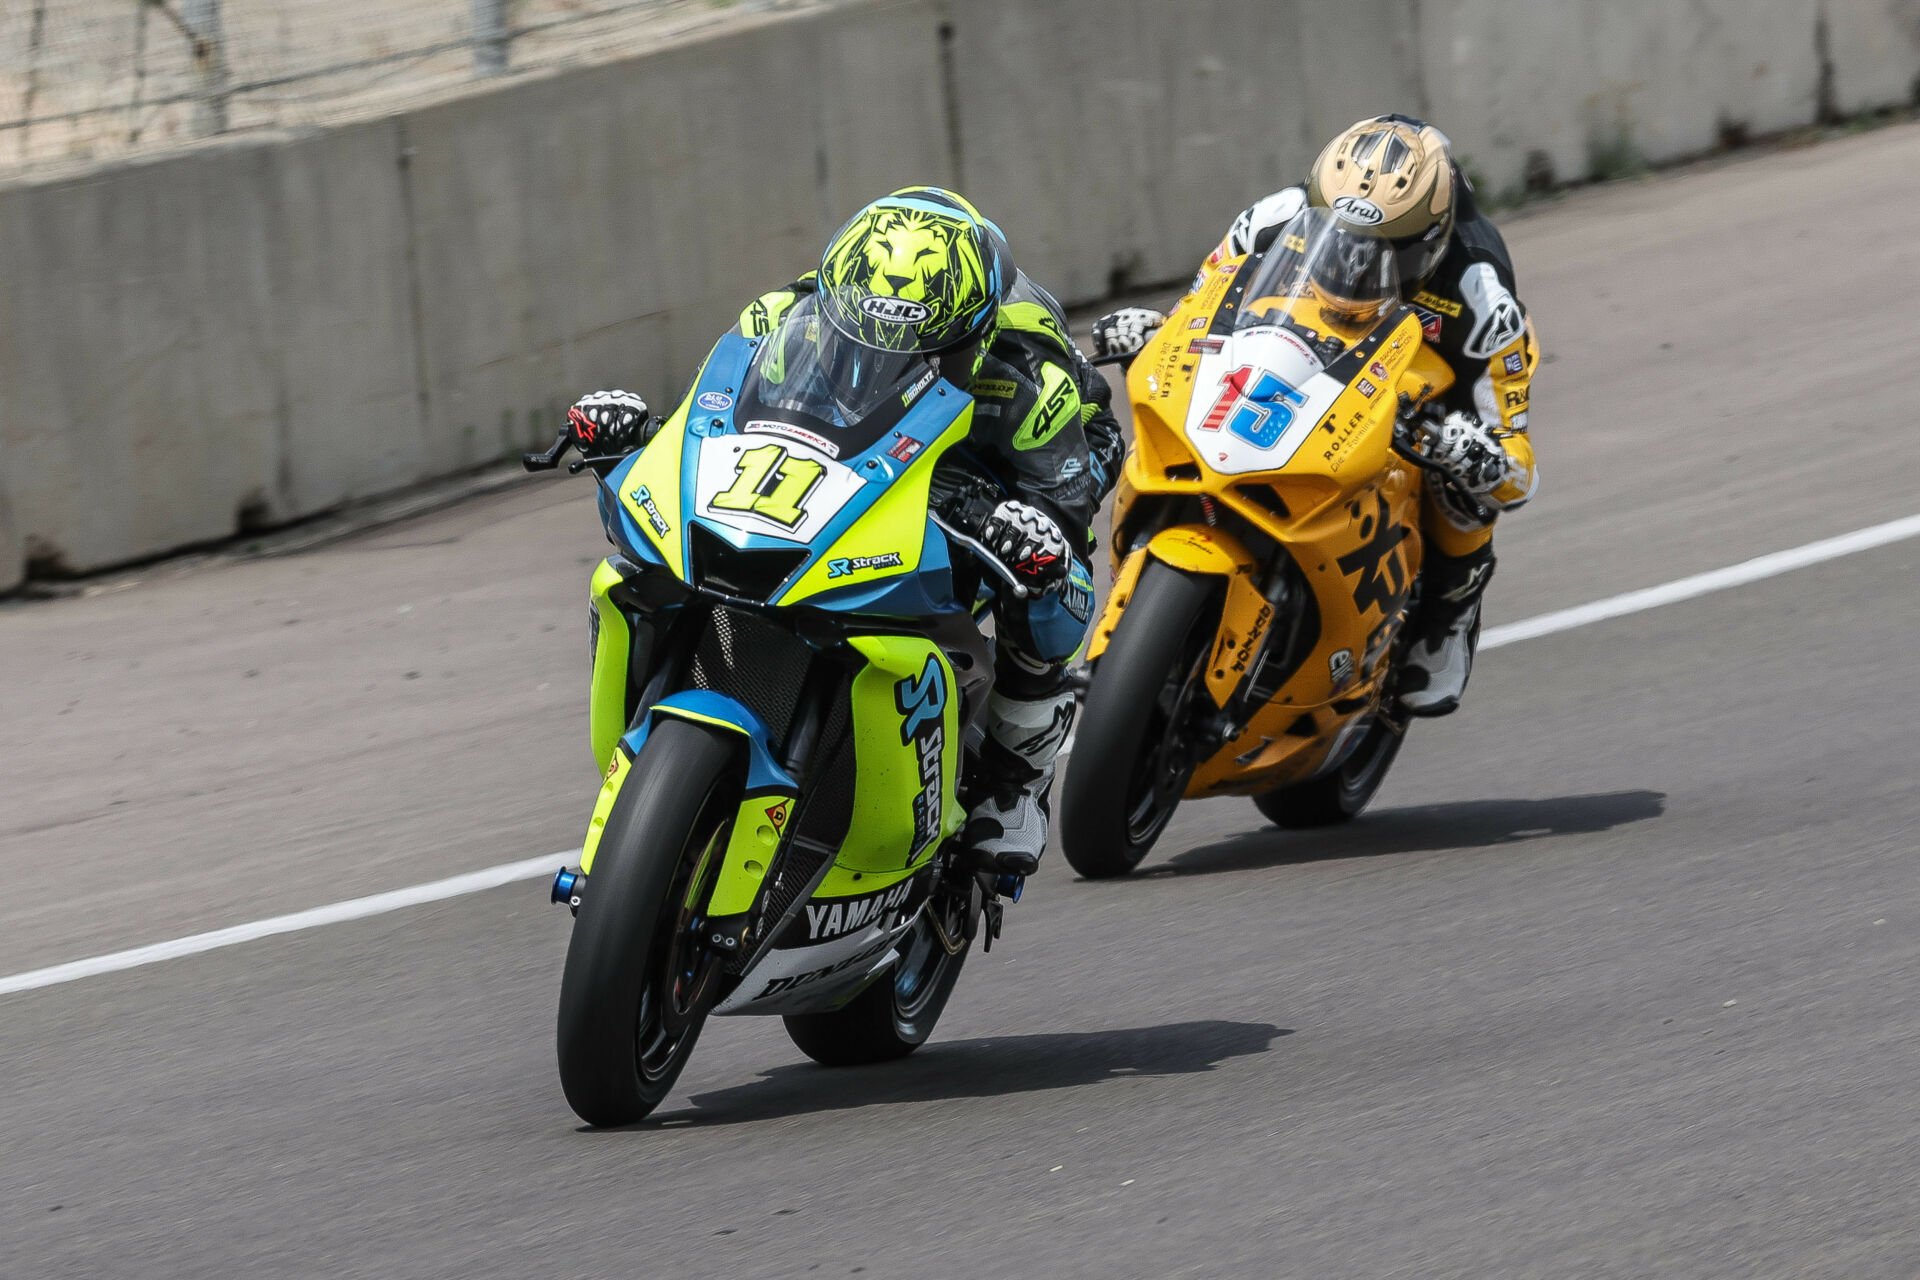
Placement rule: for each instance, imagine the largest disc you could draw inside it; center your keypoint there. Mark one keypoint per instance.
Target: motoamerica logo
(922, 701)
(828, 920)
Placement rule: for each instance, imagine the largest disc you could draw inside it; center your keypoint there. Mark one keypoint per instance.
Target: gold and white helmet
(1393, 175)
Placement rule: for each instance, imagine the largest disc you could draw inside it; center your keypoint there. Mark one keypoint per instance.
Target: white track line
(1546, 624)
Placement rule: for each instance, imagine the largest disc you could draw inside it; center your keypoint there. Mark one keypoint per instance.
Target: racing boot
(1444, 632)
(1007, 829)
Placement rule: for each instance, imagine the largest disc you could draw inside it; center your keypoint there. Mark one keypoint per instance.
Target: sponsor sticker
(1359, 209)
(643, 496)
(912, 393)
(1516, 363)
(1206, 346)
(903, 449)
(848, 566)
(787, 430)
(1434, 302)
(1429, 323)
(894, 310)
(1198, 322)
(714, 401)
(1378, 370)
(1367, 389)
(1340, 667)
(840, 917)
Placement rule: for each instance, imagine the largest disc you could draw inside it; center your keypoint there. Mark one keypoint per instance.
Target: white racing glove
(1028, 542)
(1461, 449)
(1122, 333)
(608, 422)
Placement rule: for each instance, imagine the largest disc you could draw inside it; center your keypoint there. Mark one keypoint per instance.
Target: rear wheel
(895, 1015)
(1132, 755)
(1338, 796)
(638, 982)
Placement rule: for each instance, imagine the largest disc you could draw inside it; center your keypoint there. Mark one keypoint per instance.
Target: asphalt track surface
(1618, 977)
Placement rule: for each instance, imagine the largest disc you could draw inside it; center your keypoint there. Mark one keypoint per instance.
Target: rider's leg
(1454, 572)
(1028, 715)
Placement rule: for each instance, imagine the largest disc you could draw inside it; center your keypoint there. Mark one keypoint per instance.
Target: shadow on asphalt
(1463, 824)
(992, 1068)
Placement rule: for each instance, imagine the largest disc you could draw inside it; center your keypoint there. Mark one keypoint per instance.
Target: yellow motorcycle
(1267, 544)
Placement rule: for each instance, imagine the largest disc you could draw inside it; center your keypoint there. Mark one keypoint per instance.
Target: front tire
(1341, 795)
(1131, 739)
(895, 1014)
(637, 985)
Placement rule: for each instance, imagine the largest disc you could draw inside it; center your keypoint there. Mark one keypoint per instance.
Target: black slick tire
(1127, 773)
(616, 1061)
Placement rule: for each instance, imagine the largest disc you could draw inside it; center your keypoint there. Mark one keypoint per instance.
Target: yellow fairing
(1344, 506)
(655, 479)
(603, 805)
(894, 525)
(757, 828)
(893, 833)
(612, 653)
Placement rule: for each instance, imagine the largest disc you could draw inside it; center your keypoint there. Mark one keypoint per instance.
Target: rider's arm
(764, 312)
(1495, 365)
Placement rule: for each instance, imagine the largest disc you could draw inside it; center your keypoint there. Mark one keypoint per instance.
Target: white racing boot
(1007, 830)
(1446, 631)
(1435, 670)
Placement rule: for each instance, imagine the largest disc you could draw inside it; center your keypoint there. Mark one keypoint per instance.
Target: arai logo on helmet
(1356, 209)
(894, 310)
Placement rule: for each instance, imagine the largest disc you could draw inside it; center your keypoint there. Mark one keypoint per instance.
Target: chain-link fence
(90, 79)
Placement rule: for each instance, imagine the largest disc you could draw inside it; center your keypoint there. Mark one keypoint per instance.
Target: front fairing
(746, 497)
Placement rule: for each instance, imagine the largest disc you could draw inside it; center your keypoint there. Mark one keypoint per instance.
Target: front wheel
(895, 1015)
(1132, 756)
(638, 984)
(1338, 796)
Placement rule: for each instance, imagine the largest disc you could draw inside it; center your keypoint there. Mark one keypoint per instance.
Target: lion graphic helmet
(1392, 175)
(917, 272)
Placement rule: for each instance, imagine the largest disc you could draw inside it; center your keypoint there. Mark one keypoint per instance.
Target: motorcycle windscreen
(1317, 293)
(808, 369)
(1327, 279)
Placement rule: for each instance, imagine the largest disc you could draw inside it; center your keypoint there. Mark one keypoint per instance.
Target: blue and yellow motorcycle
(785, 666)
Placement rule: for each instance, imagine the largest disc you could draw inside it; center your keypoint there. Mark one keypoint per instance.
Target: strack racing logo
(922, 703)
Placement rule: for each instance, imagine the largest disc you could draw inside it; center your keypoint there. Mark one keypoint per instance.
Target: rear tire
(1129, 772)
(629, 1015)
(1339, 796)
(896, 1013)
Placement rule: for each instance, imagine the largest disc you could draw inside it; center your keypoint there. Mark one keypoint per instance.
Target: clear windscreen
(807, 366)
(1324, 273)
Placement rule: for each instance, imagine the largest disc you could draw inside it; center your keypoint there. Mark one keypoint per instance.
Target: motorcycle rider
(923, 271)
(1394, 176)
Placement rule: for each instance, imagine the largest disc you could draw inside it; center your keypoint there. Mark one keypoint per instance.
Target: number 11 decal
(1258, 414)
(771, 483)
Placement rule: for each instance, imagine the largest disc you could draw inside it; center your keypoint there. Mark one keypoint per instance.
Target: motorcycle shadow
(999, 1066)
(1427, 828)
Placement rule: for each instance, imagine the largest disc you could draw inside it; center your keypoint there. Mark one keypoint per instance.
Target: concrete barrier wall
(254, 331)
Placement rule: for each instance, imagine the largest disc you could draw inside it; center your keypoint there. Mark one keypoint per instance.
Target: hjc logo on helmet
(894, 310)
(1356, 209)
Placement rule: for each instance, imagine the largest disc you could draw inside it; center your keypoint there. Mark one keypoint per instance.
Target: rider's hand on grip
(1120, 334)
(608, 423)
(1027, 541)
(1461, 448)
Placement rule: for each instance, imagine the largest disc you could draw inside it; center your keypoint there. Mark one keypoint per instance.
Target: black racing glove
(608, 423)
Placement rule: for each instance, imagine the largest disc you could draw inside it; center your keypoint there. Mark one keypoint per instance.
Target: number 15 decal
(771, 483)
(1259, 413)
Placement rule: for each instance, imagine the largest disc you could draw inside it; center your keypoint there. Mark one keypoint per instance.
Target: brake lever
(551, 458)
(1020, 589)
